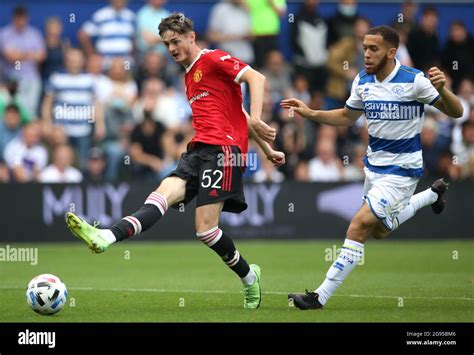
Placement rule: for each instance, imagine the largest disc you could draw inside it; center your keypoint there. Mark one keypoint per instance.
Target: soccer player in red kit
(209, 169)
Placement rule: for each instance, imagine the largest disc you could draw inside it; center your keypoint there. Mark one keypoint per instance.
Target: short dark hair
(176, 22)
(388, 34)
(429, 11)
(20, 11)
(12, 107)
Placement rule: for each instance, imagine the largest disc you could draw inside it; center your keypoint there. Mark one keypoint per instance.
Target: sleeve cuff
(435, 100)
(240, 73)
(354, 108)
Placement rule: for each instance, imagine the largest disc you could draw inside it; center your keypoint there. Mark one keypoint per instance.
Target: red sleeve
(231, 67)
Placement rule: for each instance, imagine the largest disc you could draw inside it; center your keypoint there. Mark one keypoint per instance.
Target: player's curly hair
(388, 34)
(176, 22)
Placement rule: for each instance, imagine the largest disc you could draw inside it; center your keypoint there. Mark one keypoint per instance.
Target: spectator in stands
(406, 19)
(153, 66)
(94, 68)
(165, 105)
(96, 165)
(146, 149)
(308, 40)
(300, 89)
(402, 52)
(70, 100)
(267, 172)
(61, 171)
(423, 44)
(54, 137)
(22, 44)
(446, 168)
(354, 170)
(117, 94)
(278, 74)
(342, 24)
(430, 143)
(147, 38)
(301, 173)
(464, 149)
(265, 15)
(346, 59)
(457, 56)
(8, 96)
(111, 29)
(9, 127)
(466, 96)
(56, 47)
(325, 166)
(230, 28)
(25, 156)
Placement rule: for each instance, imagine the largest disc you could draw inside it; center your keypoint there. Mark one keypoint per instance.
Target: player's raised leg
(208, 231)
(351, 253)
(170, 191)
(433, 196)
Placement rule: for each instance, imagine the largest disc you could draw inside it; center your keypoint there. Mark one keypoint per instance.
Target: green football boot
(89, 234)
(253, 293)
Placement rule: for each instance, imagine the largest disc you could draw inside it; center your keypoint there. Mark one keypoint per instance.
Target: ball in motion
(46, 294)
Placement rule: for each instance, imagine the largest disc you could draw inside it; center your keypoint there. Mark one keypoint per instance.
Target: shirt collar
(392, 73)
(195, 60)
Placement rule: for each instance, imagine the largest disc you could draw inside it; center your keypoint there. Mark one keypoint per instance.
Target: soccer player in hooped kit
(392, 96)
(207, 169)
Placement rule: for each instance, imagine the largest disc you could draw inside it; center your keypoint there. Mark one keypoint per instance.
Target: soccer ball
(46, 294)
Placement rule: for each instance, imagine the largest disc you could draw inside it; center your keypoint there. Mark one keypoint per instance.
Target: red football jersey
(215, 97)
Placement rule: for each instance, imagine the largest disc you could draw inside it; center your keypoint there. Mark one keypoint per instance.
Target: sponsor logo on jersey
(198, 96)
(197, 76)
(390, 110)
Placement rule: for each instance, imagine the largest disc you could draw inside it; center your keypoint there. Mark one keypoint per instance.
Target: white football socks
(418, 201)
(249, 279)
(351, 253)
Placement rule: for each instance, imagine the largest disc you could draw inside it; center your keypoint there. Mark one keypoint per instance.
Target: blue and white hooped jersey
(113, 31)
(394, 109)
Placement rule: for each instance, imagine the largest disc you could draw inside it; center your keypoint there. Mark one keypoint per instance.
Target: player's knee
(173, 189)
(380, 233)
(205, 223)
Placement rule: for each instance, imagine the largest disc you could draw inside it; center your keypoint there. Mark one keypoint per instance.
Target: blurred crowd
(114, 108)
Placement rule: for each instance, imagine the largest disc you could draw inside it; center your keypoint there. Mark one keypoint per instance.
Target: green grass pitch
(415, 281)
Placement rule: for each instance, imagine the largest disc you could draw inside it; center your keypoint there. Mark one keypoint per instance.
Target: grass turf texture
(187, 282)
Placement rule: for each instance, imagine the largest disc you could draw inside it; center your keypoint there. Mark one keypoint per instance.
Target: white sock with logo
(418, 201)
(351, 253)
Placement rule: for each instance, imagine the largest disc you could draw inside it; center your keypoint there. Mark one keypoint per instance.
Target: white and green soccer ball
(46, 294)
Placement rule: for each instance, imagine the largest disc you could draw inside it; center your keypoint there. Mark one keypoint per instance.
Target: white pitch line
(159, 290)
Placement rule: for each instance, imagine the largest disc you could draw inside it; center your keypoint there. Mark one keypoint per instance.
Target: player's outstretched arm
(256, 82)
(339, 117)
(276, 157)
(449, 103)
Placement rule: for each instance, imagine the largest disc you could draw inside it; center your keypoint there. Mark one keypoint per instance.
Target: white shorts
(388, 194)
